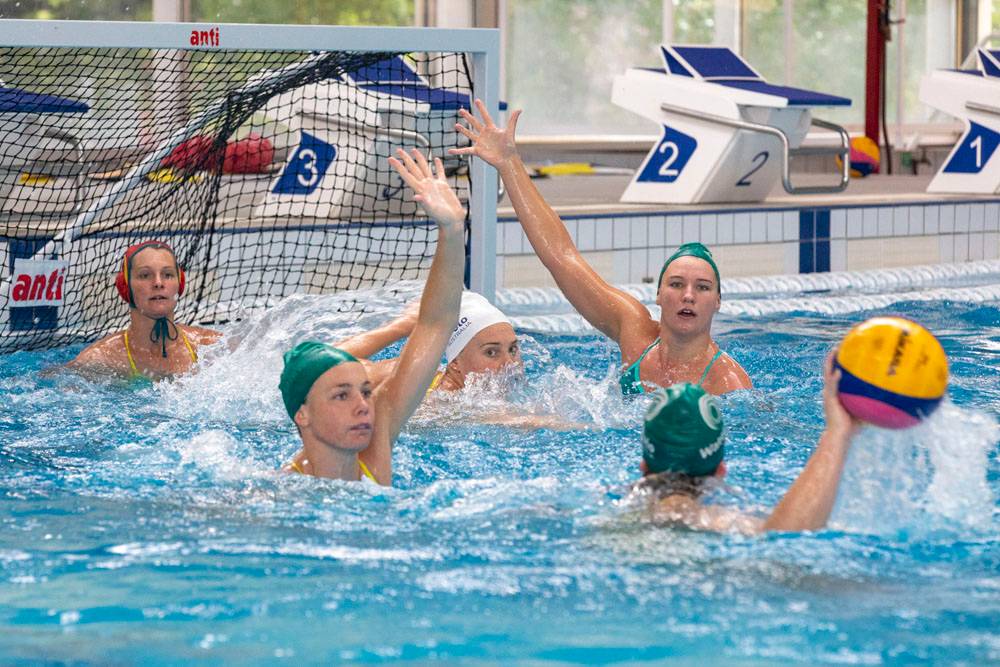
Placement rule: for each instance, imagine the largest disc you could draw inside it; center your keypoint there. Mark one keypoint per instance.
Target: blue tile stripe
(823, 240)
(807, 241)
(814, 240)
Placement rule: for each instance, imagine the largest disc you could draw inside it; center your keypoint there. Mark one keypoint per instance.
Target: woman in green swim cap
(683, 448)
(678, 347)
(347, 426)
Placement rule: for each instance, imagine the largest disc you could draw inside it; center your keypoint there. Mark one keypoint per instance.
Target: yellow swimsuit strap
(366, 472)
(128, 351)
(361, 464)
(187, 344)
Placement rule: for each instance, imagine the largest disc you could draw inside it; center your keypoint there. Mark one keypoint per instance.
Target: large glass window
(561, 57)
(925, 41)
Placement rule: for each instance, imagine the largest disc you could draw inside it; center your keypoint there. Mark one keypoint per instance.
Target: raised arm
(400, 395)
(608, 309)
(808, 502)
(365, 344)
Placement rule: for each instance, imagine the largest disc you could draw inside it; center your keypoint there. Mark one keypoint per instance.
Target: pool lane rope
(538, 309)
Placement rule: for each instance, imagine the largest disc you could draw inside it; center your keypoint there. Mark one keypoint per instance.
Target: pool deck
(600, 194)
(570, 195)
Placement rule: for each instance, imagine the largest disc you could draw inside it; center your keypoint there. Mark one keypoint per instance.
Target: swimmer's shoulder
(686, 512)
(201, 335)
(726, 375)
(637, 337)
(106, 355)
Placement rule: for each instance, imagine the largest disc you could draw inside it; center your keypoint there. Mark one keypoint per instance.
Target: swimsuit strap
(128, 351)
(630, 382)
(704, 375)
(187, 344)
(436, 382)
(366, 472)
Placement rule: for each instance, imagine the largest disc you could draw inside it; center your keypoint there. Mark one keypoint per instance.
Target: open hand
(837, 416)
(432, 191)
(492, 144)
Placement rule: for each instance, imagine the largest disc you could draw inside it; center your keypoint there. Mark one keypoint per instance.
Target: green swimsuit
(630, 382)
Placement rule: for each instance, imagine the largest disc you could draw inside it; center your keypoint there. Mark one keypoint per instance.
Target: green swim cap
(304, 363)
(694, 249)
(683, 431)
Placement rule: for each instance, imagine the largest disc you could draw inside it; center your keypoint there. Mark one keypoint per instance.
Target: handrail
(985, 108)
(844, 150)
(357, 126)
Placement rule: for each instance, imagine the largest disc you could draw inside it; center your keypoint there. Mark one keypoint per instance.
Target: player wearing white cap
(483, 342)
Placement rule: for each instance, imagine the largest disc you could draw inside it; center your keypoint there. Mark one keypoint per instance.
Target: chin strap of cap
(163, 330)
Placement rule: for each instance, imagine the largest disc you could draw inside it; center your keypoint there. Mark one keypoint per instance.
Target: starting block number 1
(974, 151)
(666, 162)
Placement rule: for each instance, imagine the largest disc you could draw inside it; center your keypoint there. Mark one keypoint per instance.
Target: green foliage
(316, 12)
(694, 22)
(95, 10)
(306, 12)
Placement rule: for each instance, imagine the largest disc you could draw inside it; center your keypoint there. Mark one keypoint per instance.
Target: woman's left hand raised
(431, 189)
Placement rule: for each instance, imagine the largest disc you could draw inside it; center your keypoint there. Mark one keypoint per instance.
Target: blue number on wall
(669, 157)
(974, 152)
(308, 166)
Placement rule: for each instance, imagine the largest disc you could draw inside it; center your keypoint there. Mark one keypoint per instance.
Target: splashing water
(158, 510)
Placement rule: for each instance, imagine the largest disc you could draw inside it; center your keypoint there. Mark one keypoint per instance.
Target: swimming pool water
(147, 523)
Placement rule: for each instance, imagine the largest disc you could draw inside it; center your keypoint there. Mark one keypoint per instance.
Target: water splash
(932, 477)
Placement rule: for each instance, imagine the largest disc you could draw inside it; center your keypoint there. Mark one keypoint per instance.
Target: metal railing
(843, 150)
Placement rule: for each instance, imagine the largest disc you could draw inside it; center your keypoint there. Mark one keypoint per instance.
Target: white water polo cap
(475, 315)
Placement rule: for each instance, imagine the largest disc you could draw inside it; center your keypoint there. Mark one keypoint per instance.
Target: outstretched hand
(837, 416)
(490, 143)
(431, 189)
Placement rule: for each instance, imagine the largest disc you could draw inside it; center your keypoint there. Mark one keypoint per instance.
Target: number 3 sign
(307, 167)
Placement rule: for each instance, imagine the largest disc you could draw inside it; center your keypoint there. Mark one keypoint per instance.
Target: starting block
(973, 166)
(728, 135)
(41, 164)
(346, 129)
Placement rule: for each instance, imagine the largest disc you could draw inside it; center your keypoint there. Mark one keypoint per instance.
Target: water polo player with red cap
(154, 345)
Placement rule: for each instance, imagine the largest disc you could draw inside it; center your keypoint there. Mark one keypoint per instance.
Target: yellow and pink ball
(894, 372)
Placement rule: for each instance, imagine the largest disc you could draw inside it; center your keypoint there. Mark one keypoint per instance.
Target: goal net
(265, 169)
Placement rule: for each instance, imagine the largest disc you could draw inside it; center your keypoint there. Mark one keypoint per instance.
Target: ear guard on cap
(122, 279)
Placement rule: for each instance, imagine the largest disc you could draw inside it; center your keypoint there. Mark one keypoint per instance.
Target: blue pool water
(147, 523)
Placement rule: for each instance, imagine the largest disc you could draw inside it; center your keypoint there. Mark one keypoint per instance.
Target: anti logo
(37, 283)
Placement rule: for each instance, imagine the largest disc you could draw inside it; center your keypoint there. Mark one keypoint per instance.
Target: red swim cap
(122, 279)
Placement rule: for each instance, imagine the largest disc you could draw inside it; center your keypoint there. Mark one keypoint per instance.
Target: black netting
(266, 171)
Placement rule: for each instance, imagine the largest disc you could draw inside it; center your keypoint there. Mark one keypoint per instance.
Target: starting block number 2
(307, 166)
(668, 159)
